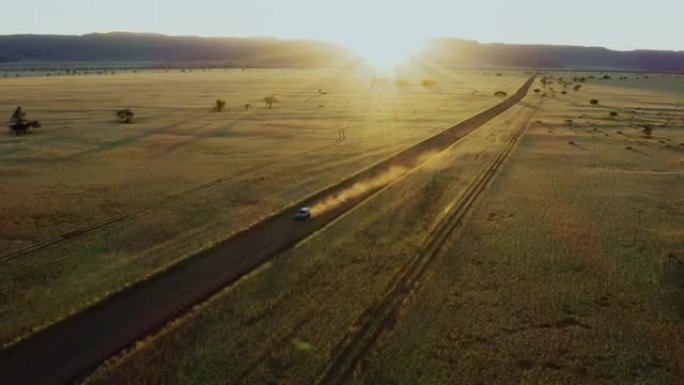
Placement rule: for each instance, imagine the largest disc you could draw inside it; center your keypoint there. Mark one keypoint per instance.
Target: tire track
(341, 136)
(378, 320)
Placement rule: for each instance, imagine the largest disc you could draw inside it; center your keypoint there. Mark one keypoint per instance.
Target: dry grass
(83, 166)
(283, 323)
(570, 269)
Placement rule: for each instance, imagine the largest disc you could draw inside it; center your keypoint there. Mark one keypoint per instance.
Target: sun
(385, 54)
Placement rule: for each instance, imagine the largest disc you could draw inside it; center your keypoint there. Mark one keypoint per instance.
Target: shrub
(647, 130)
(22, 126)
(594, 102)
(247, 105)
(537, 90)
(428, 83)
(501, 93)
(613, 113)
(220, 105)
(125, 115)
(402, 82)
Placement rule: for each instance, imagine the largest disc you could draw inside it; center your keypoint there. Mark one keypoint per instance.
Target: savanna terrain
(547, 245)
(567, 268)
(91, 205)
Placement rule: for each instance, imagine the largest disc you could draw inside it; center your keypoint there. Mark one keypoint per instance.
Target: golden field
(182, 177)
(568, 268)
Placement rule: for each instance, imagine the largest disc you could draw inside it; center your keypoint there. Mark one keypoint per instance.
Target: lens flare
(384, 54)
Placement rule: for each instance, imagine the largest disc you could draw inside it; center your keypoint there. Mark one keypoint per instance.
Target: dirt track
(69, 349)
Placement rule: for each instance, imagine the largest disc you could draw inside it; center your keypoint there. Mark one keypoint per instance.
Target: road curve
(69, 349)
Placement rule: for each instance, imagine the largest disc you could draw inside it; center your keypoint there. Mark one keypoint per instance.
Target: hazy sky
(625, 24)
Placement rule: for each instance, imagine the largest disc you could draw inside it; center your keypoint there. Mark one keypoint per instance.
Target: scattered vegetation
(19, 125)
(22, 126)
(125, 115)
(220, 105)
(18, 115)
(647, 130)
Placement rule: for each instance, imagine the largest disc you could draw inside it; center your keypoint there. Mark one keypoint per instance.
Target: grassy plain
(571, 268)
(82, 167)
(568, 270)
(283, 323)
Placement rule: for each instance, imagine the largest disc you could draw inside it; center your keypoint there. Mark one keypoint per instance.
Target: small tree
(220, 105)
(269, 100)
(594, 102)
(125, 115)
(18, 115)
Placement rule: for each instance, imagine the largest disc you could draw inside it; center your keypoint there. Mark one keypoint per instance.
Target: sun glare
(384, 54)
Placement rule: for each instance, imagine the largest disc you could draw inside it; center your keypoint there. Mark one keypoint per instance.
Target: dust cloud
(358, 189)
(369, 184)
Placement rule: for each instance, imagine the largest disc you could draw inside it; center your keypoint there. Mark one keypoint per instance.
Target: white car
(302, 214)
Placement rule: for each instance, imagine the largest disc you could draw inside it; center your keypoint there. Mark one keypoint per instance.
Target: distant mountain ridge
(471, 53)
(155, 48)
(271, 52)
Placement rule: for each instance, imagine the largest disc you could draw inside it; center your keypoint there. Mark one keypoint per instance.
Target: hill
(158, 49)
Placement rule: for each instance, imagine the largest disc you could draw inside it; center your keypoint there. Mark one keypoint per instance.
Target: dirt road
(69, 349)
